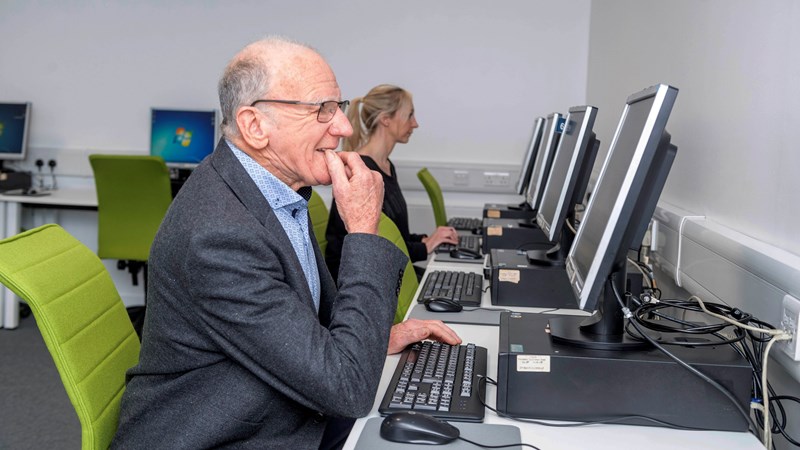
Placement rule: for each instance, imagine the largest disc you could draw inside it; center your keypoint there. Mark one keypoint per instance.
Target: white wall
(735, 120)
(479, 71)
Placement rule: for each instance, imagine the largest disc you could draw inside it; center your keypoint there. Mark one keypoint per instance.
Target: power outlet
(496, 178)
(789, 323)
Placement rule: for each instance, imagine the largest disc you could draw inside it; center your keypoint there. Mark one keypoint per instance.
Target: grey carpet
(35, 412)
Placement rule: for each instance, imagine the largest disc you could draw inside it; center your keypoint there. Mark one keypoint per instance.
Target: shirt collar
(277, 193)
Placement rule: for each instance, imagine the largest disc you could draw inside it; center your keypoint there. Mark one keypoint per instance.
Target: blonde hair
(365, 111)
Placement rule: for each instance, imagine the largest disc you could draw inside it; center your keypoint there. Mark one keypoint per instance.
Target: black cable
(481, 308)
(683, 364)
(621, 420)
(521, 444)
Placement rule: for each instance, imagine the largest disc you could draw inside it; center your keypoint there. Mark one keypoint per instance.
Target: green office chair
(435, 194)
(408, 288)
(82, 320)
(319, 219)
(133, 194)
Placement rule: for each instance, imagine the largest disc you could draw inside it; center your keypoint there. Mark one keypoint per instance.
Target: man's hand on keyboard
(414, 330)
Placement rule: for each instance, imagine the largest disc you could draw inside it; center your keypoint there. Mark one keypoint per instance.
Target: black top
(394, 206)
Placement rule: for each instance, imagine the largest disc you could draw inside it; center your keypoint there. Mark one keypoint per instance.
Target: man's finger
(336, 167)
(353, 162)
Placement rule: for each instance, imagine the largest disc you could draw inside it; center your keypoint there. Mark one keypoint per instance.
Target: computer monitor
(530, 155)
(626, 194)
(544, 158)
(14, 124)
(183, 138)
(576, 150)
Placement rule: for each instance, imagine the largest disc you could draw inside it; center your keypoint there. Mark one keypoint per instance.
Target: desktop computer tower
(542, 379)
(516, 281)
(14, 180)
(513, 234)
(499, 211)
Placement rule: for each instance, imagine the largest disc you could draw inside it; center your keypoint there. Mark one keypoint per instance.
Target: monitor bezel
(186, 165)
(566, 185)
(544, 158)
(530, 155)
(22, 154)
(588, 287)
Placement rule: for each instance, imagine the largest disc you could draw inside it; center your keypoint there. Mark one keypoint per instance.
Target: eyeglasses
(326, 109)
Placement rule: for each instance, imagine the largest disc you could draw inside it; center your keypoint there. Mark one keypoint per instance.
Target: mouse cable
(620, 420)
(481, 308)
(520, 444)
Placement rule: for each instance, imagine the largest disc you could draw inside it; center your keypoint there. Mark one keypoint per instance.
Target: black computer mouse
(464, 253)
(410, 427)
(441, 304)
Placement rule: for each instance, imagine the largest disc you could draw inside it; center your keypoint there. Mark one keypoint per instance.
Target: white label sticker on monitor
(533, 363)
(510, 276)
(493, 214)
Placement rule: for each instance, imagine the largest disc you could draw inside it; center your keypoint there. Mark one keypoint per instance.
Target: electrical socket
(789, 323)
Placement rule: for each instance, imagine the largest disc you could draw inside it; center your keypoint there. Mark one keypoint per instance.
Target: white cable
(777, 335)
(680, 247)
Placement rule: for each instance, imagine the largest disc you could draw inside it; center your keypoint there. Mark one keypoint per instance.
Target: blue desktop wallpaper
(12, 127)
(182, 137)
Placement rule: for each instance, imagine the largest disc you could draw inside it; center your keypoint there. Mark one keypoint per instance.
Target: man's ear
(253, 126)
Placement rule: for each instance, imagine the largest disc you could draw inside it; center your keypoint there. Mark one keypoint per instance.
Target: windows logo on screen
(182, 136)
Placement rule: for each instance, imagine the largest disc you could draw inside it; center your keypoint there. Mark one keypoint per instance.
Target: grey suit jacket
(233, 352)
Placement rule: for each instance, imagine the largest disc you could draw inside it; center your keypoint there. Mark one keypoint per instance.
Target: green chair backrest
(388, 229)
(319, 219)
(133, 194)
(435, 194)
(82, 320)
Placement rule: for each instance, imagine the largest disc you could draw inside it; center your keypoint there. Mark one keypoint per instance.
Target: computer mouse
(411, 427)
(31, 191)
(477, 230)
(464, 253)
(441, 304)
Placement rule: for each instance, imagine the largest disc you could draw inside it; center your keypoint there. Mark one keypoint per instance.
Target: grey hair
(248, 77)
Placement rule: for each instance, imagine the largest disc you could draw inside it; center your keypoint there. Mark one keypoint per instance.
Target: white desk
(10, 218)
(596, 437)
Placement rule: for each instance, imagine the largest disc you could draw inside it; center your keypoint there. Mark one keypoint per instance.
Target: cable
(621, 420)
(521, 444)
(777, 335)
(680, 362)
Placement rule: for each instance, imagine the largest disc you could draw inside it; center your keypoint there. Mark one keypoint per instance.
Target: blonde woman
(381, 119)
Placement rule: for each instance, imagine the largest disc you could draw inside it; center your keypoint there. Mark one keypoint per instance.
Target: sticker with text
(507, 275)
(533, 363)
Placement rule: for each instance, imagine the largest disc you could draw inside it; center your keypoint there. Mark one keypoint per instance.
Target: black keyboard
(463, 287)
(465, 223)
(438, 379)
(464, 241)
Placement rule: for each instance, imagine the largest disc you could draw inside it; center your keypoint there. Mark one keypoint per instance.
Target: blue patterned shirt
(292, 211)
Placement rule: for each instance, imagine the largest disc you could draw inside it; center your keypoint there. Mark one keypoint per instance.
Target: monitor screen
(572, 154)
(527, 160)
(14, 123)
(182, 138)
(544, 158)
(626, 191)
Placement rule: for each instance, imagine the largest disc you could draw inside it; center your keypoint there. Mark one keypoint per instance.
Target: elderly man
(247, 342)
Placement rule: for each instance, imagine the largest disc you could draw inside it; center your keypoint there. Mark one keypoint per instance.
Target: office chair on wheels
(435, 194)
(81, 318)
(133, 194)
(388, 229)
